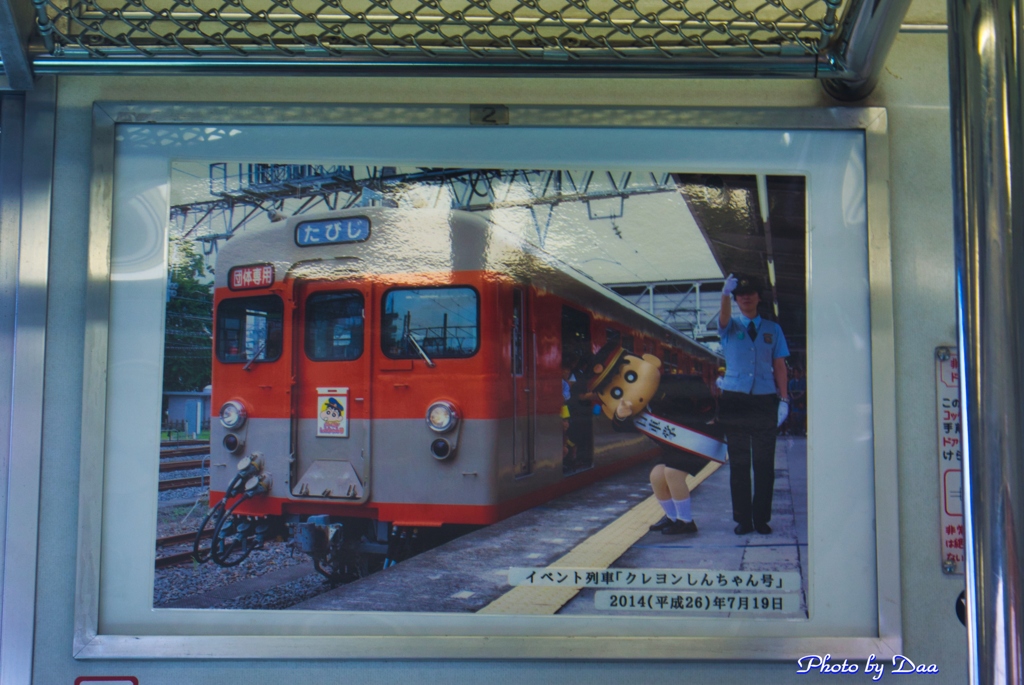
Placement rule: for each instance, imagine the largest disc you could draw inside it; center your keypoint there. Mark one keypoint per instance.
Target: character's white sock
(683, 509)
(670, 508)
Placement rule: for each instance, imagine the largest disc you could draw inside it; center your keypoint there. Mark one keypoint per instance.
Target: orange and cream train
(382, 376)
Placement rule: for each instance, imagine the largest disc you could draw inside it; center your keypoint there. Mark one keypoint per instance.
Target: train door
(524, 376)
(331, 403)
(576, 352)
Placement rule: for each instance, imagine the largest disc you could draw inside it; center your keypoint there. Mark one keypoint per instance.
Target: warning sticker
(951, 491)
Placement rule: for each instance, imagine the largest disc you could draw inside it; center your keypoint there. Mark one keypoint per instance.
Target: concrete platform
(471, 573)
(716, 546)
(468, 573)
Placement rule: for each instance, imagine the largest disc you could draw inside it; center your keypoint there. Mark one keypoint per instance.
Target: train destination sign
(332, 231)
(251, 276)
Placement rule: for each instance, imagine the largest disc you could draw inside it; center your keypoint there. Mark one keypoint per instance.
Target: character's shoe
(763, 528)
(679, 528)
(662, 524)
(743, 528)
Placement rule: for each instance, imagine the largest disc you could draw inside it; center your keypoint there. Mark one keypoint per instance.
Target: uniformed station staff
(754, 401)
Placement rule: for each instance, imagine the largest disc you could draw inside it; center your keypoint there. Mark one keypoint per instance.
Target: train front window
(250, 329)
(441, 322)
(334, 326)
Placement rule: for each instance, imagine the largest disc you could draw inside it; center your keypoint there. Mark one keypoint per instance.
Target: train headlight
(232, 414)
(442, 416)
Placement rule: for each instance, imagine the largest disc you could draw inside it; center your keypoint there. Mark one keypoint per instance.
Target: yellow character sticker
(332, 413)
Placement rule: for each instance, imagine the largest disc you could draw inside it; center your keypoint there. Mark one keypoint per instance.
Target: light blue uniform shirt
(749, 365)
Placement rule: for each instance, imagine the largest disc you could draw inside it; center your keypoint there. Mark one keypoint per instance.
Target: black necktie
(752, 331)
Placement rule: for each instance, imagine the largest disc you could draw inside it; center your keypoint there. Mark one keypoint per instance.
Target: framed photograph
(378, 382)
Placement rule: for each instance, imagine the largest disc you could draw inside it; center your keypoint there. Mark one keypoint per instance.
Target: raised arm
(725, 313)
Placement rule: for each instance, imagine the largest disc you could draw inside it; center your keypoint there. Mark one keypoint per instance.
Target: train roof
(427, 241)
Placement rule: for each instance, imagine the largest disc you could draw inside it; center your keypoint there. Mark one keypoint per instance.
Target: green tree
(188, 332)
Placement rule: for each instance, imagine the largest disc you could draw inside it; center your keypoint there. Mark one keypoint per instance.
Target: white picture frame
(849, 282)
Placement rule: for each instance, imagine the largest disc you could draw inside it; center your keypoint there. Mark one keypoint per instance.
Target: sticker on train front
(332, 413)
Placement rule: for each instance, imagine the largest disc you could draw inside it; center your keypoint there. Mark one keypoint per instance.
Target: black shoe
(763, 528)
(679, 527)
(664, 523)
(743, 528)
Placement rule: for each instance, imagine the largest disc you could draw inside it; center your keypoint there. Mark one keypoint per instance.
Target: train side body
(338, 321)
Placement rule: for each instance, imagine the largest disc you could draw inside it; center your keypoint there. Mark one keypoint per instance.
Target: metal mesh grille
(570, 30)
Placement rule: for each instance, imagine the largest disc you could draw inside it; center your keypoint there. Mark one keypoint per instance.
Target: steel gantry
(688, 306)
(241, 193)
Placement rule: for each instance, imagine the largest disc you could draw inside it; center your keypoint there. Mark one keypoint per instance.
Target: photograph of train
(422, 389)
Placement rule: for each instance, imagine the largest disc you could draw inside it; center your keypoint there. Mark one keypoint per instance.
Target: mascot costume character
(677, 411)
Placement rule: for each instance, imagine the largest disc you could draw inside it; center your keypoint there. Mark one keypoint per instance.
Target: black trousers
(750, 429)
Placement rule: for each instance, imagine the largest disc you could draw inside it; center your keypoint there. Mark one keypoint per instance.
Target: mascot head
(623, 382)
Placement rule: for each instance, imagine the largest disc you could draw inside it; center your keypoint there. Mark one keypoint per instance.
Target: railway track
(174, 483)
(179, 443)
(183, 465)
(185, 452)
(172, 540)
(178, 557)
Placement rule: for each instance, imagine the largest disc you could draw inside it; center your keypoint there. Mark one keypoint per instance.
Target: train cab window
(627, 343)
(334, 326)
(438, 322)
(250, 329)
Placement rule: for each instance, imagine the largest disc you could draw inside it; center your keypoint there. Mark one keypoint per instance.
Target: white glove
(730, 284)
(783, 411)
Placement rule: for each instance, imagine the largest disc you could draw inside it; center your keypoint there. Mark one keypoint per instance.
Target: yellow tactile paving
(596, 552)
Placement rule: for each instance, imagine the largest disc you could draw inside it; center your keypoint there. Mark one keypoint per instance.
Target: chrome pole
(868, 31)
(16, 24)
(988, 162)
(79, 62)
(26, 168)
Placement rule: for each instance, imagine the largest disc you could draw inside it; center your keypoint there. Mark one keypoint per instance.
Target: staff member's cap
(747, 285)
(608, 357)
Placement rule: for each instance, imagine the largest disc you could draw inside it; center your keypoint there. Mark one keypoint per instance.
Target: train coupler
(311, 536)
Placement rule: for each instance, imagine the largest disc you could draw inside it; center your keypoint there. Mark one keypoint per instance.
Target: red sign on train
(251, 276)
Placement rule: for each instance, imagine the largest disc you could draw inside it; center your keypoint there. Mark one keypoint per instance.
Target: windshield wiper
(419, 349)
(263, 346)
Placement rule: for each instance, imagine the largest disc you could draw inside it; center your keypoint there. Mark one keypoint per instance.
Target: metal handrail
(986, 67)
(843, 44)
